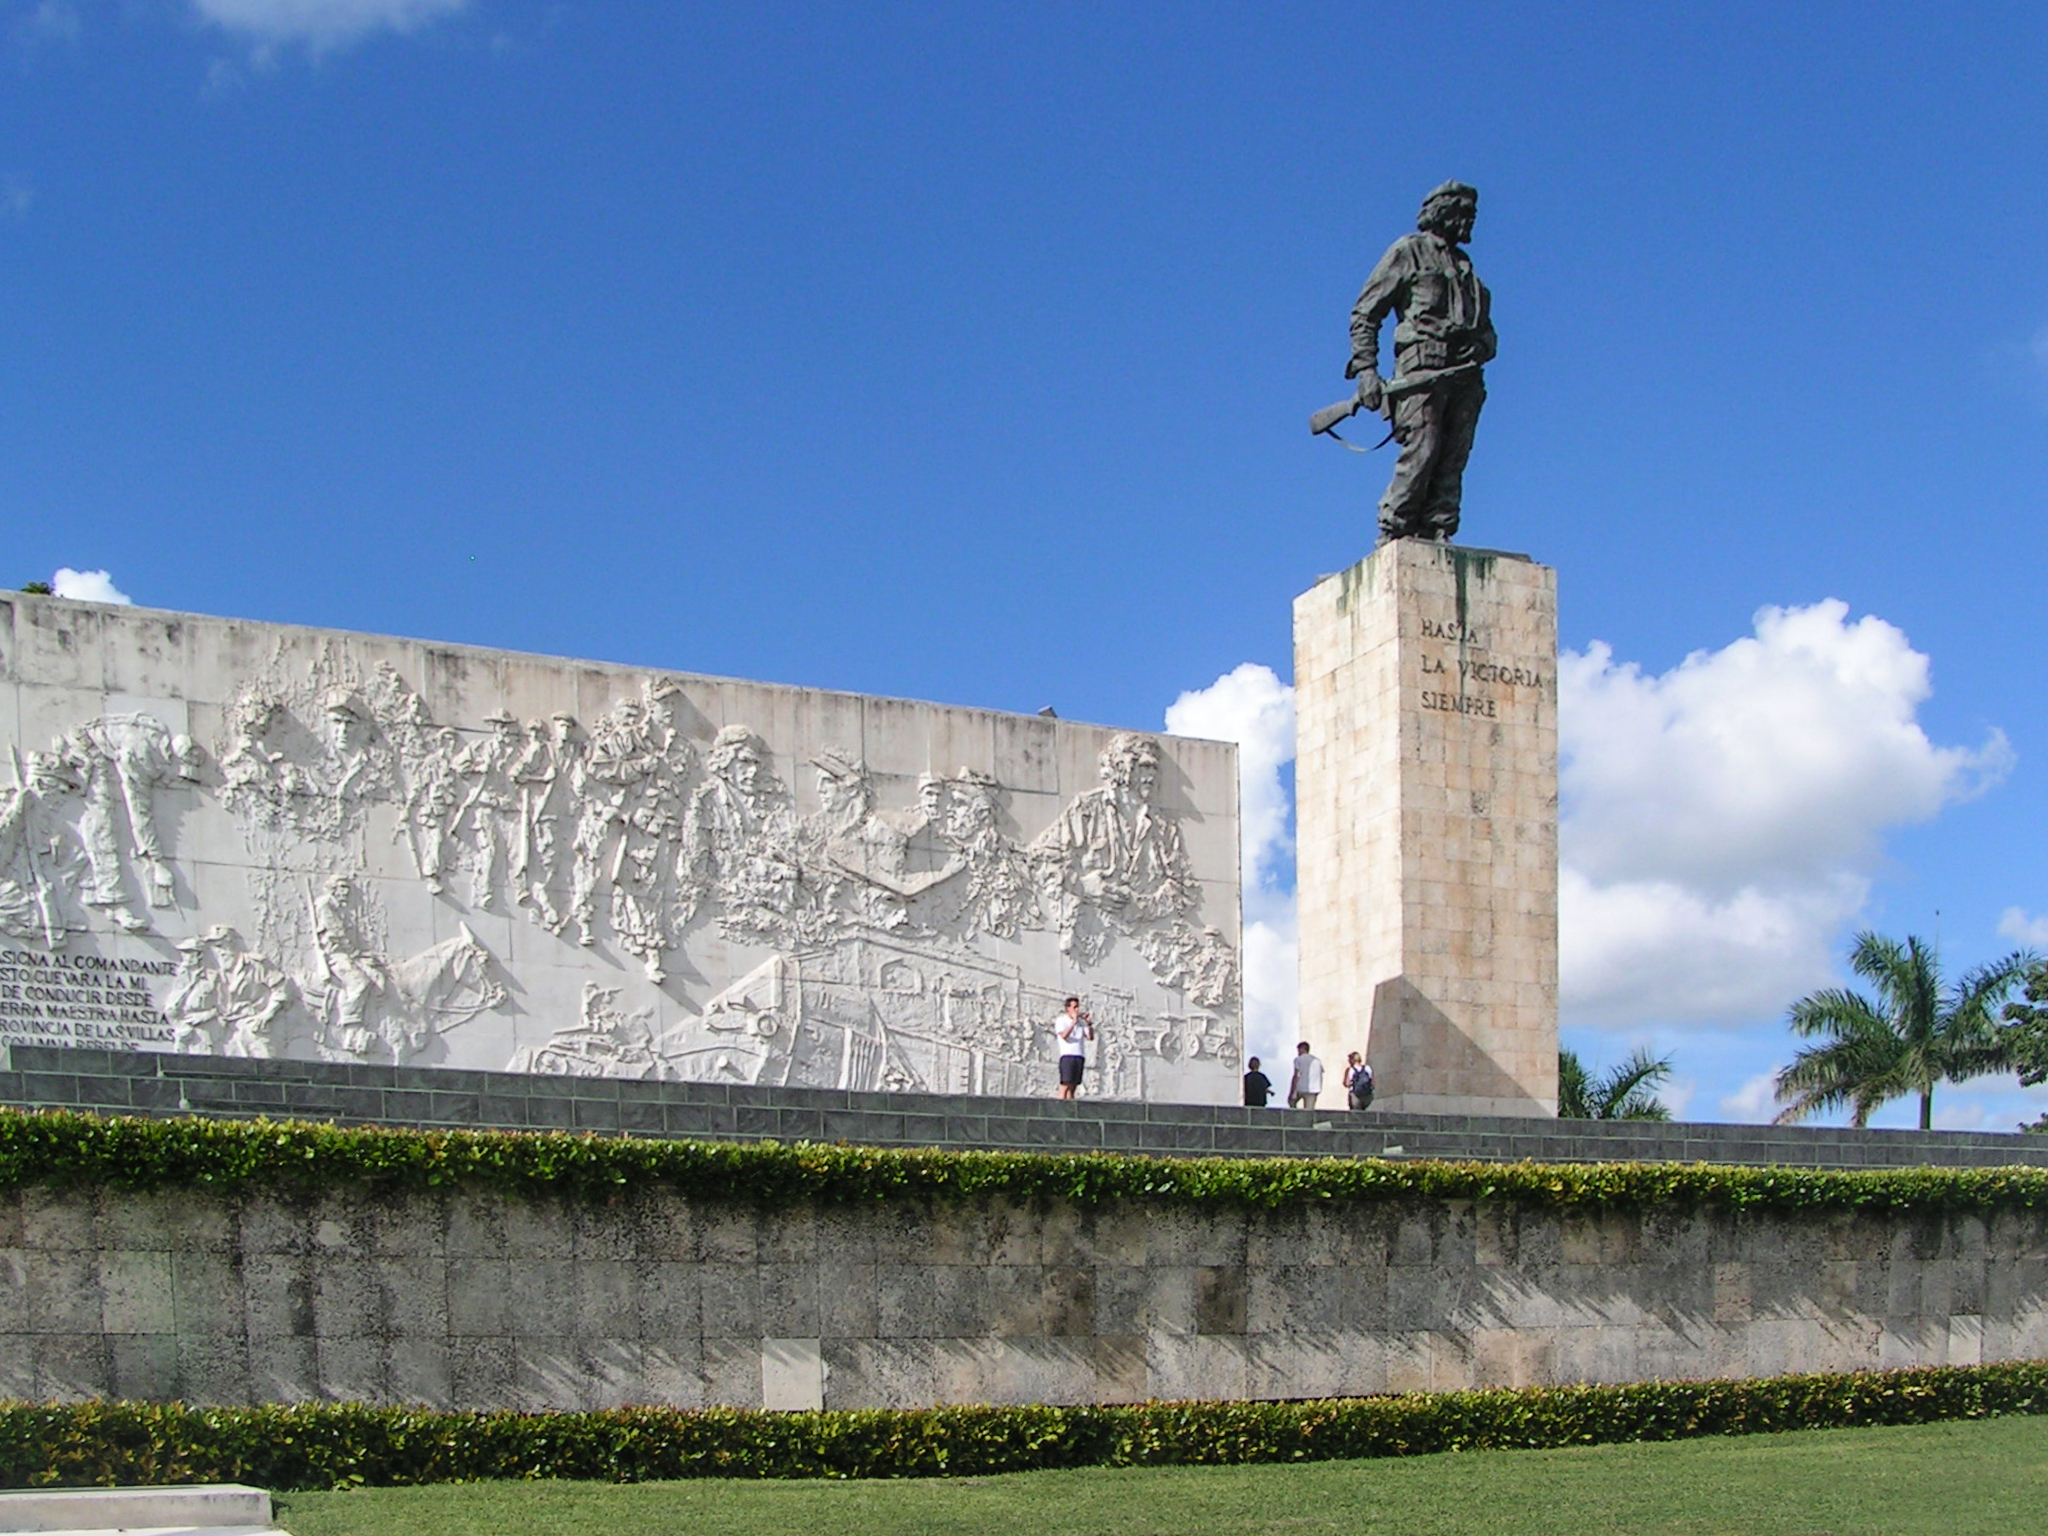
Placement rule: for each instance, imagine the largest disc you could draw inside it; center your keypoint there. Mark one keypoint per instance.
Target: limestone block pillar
(1426, 823)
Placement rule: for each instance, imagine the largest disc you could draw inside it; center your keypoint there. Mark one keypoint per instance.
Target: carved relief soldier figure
(401, 712)
(253, 994)
(39, 853)
(193, 1006)
(1115, 860)
(630, 835)
(374, 1009)
(250, 767)
(550, 779)
(1442, 343)
(120, 763)
(433, 797)
(489, 818)
(857, 861)
(225, 1000)
(358, 983)
(931, 857)
(980, 879)
(737, 840)
(1000, 899)
(357, 766)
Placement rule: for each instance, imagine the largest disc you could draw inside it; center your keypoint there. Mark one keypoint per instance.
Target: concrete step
(209, 1507)
(172, 1530)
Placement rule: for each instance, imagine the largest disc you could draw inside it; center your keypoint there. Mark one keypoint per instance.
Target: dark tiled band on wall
(146, 1083)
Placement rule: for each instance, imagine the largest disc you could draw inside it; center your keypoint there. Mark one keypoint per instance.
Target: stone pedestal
(1426, 805)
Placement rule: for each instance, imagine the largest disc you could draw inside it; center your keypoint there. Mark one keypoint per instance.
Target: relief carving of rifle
(1330, 415)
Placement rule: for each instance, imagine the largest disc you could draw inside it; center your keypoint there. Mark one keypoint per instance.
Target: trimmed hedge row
(63, 1149)
(344, 1445)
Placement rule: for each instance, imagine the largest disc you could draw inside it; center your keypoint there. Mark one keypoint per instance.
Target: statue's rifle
(1326, 421)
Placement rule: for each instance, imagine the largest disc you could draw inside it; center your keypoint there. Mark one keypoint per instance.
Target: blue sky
(964, 353)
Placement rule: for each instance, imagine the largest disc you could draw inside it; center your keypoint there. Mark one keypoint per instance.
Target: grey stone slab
(144, 1366)
(483, 1372)
(640, 1118)
(355, 1368)
(18, 1366)
(594, 1114)
(757, 1119)
(104, 1091)
(213, 1371)
(420, 1372)
(137, 1293)
(72, 1367)
(54, 1088)
(454, 1108)
(62, 1292)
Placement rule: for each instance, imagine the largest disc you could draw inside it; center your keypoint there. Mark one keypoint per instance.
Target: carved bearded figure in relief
(980, 881)
(251, 768)
(630, 833)
(738, 841)
(1114, 861)
(858, 860)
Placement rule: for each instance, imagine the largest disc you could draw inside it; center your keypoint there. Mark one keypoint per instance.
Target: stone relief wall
(260, 841)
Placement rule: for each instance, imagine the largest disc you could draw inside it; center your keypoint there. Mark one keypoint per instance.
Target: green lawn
(1954, 1479)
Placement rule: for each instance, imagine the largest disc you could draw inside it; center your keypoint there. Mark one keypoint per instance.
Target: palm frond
(1914, 1034)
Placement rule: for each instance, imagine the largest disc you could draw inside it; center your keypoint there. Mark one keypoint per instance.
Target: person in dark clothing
(1257, 1086)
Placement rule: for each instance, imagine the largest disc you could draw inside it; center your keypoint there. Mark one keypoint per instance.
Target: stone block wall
(478, 1300)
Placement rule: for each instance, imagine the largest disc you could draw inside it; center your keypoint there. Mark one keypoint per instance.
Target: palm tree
(1917, 1033)
(1622, 1093)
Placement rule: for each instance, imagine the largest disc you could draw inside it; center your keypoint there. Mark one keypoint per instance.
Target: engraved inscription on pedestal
(257, 841)
(1426, 791)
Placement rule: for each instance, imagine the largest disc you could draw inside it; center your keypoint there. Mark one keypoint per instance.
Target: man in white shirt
(1074, 1029)
(1307, 1081)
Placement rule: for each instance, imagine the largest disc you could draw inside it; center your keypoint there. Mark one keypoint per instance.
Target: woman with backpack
(1357, 1082)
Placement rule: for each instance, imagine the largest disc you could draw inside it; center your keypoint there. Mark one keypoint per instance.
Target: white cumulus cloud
(2022, 928)
(1722, 820)
(1755, 1102)
(1252, 707)
(321, 24)
(87, 586)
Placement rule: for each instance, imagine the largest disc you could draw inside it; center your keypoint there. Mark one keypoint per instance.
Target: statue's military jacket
(1444, 309)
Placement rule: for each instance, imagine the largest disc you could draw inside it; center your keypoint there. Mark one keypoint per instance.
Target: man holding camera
(1074, 1030)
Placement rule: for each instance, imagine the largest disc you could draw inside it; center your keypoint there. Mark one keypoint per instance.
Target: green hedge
(336, 1446)
(59, 1149)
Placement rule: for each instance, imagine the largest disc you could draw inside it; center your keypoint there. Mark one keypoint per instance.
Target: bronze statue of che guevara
(1442, 342)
